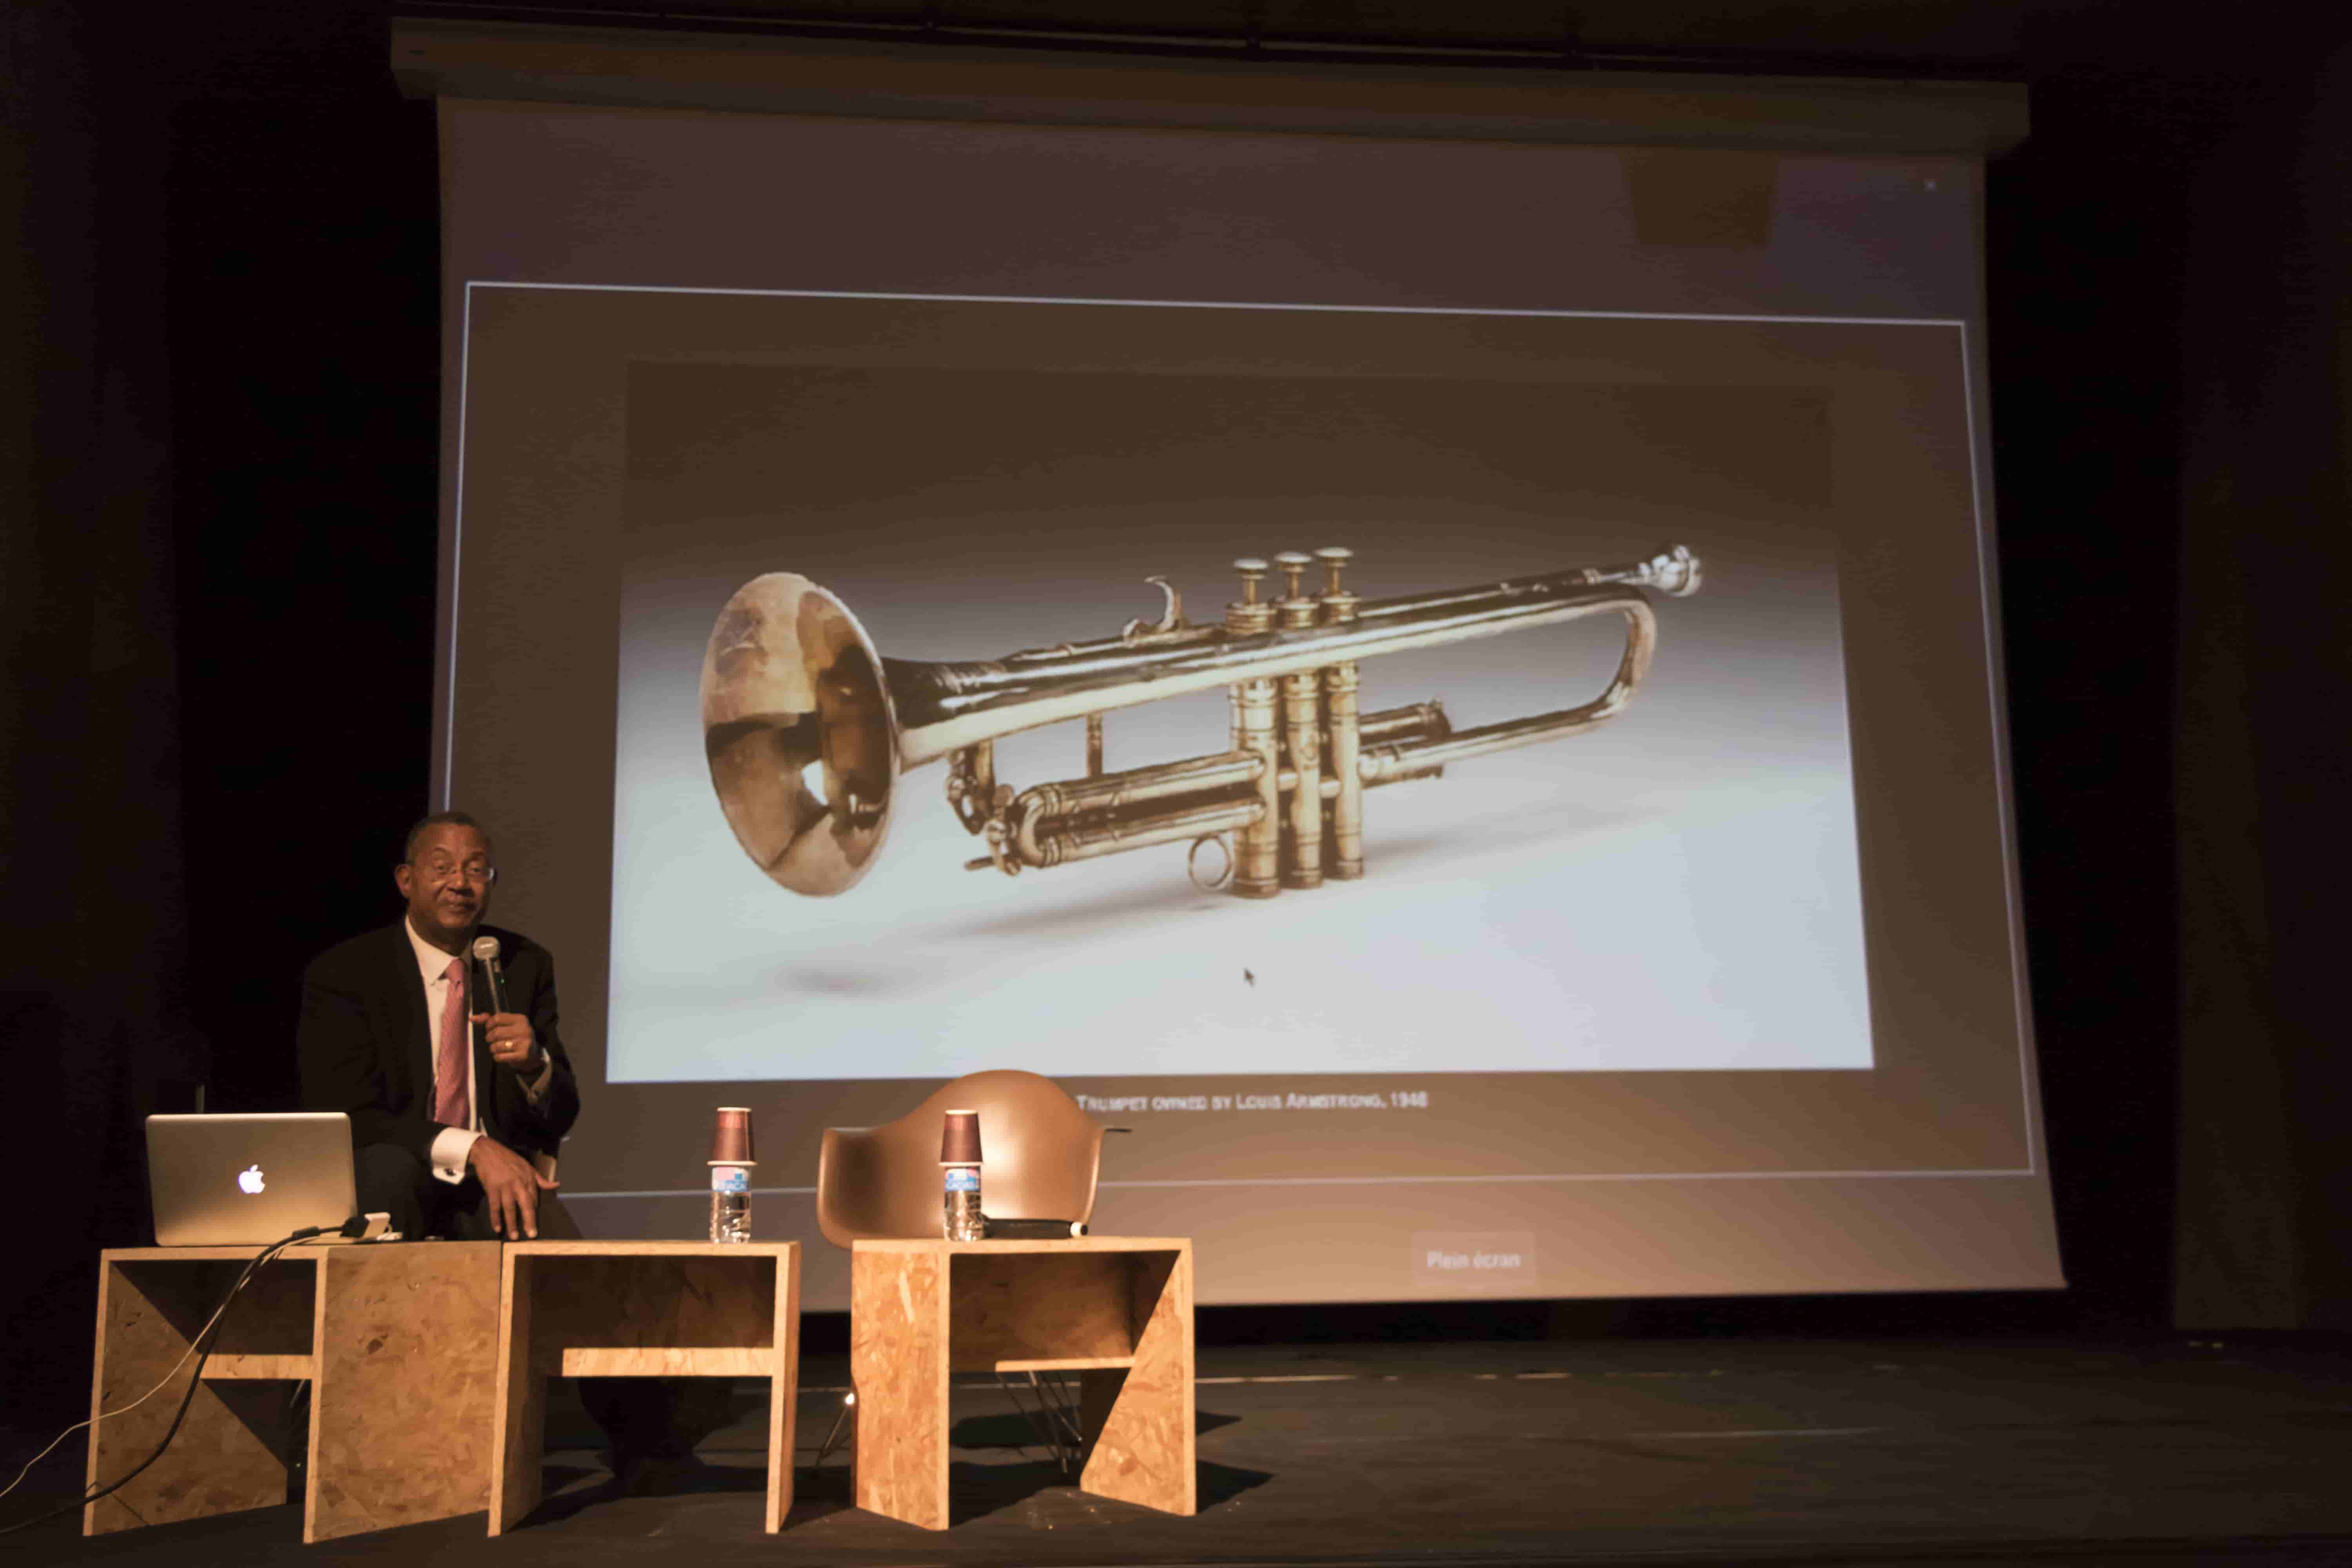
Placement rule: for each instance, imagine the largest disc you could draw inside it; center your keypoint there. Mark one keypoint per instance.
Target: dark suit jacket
(364, 1047)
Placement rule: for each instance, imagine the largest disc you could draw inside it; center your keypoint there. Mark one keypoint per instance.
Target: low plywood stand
(397, 1342)
(1117, 1310)
(641, 1309)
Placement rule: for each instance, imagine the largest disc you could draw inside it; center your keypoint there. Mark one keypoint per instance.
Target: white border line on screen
(456, 552)
(2002, 803)
(1412, 1180)
(1999, 714)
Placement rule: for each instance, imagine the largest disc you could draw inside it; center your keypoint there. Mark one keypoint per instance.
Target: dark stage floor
(1650, 1452)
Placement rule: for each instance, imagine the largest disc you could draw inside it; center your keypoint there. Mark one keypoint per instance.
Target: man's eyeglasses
(448, 871)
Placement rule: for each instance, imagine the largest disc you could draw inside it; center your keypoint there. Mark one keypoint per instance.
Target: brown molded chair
(1039, 1154)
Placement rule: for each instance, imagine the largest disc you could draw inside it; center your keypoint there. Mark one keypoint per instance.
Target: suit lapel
(416, 1027)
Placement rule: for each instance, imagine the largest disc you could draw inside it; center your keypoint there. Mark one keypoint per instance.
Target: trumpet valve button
(1335, 559)
(1294, 564)
(1253, 572)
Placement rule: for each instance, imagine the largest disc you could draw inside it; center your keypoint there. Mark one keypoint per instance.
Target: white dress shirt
(451, 1144)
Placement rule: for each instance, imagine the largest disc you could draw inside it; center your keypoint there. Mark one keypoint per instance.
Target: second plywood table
(641, 1309)
(1117, 1310)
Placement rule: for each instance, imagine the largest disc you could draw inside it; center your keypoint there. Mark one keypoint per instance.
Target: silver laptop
(241, 1180)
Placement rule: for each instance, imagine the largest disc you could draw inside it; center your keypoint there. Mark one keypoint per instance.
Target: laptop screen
(247, 1179)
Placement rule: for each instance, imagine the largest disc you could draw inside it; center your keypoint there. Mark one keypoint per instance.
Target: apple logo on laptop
(249, 1179)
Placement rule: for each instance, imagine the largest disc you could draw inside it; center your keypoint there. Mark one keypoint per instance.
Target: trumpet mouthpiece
(1674, 572)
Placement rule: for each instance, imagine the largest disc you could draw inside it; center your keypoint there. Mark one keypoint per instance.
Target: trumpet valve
(1294, 609)
(1338, 605)
(1302, 739)
(1248, 613)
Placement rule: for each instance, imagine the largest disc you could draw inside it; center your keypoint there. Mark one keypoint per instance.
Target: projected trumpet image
(807, 727)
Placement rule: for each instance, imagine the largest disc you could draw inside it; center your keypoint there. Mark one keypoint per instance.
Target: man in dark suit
(456, 1107)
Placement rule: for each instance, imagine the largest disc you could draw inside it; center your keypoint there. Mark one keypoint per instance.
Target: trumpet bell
(800, 734)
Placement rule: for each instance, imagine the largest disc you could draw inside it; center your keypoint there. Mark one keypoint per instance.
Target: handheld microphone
(486, 950)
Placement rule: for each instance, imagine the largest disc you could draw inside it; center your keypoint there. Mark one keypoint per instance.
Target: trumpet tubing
(807, 727)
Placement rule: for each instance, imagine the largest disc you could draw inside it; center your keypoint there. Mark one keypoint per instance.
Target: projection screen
(1723, 993)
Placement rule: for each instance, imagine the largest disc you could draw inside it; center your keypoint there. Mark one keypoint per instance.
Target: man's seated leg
(391, 1180)
(653, 1423)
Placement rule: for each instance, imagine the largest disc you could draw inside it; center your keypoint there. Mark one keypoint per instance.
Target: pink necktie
(452, 1107)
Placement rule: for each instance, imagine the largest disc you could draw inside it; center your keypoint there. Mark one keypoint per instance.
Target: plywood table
(641, 1309)
(397, 1341)
(1117, 1310)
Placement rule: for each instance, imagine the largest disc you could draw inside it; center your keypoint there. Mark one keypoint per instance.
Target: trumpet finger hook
(1171, 612)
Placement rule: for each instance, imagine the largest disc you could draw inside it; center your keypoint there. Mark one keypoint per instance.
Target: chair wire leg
(1054, 1418)
(847, 1415)
(1056, 1387)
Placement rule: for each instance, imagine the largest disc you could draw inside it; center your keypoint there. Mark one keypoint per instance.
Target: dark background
(219, 393)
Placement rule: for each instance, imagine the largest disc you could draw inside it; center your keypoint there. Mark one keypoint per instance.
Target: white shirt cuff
(448, 1155)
